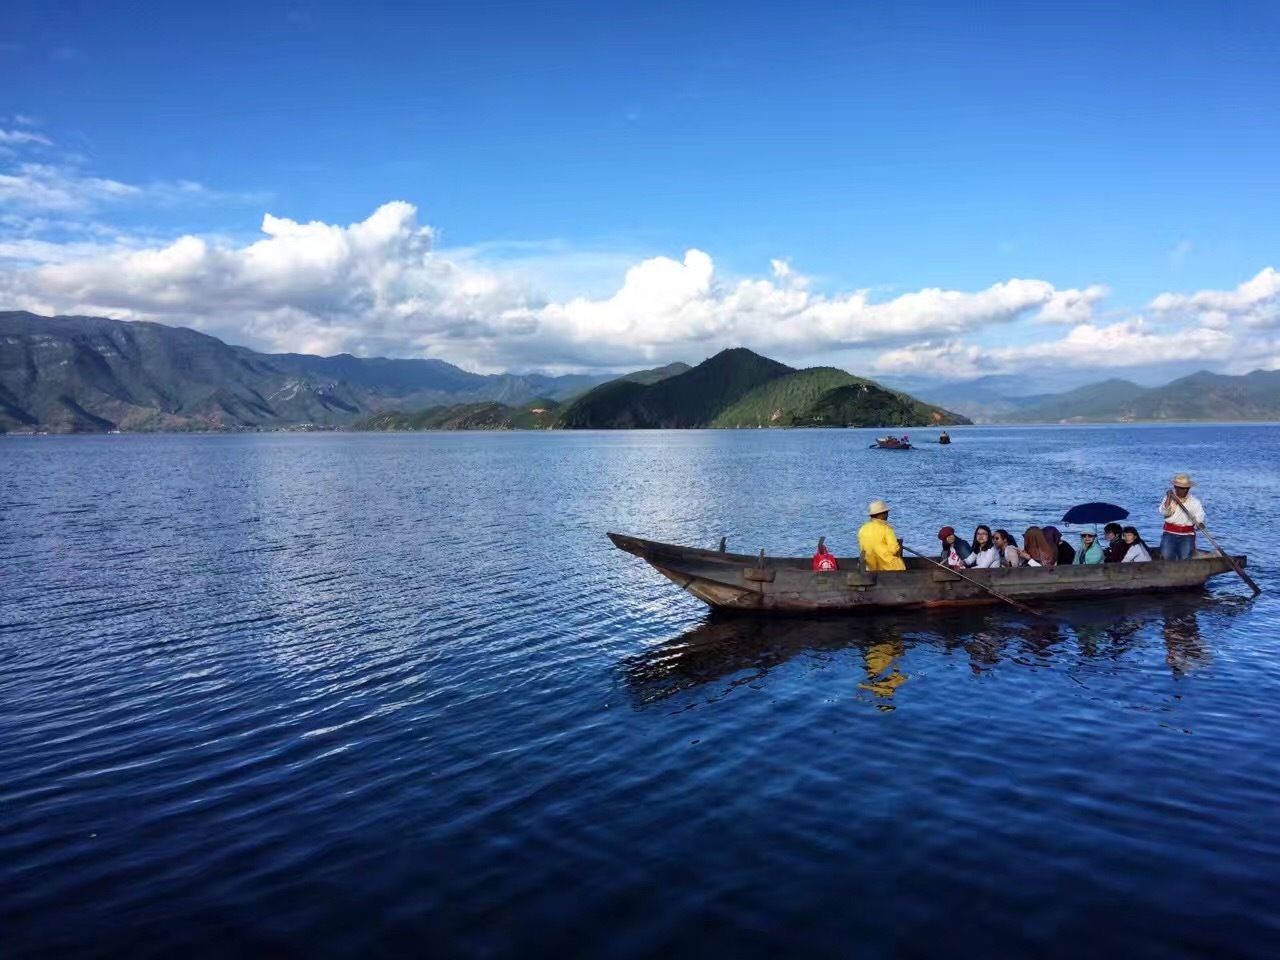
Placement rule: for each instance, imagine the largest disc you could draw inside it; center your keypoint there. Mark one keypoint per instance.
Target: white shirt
(990, 557)
(1136, 553)
(1175, 514)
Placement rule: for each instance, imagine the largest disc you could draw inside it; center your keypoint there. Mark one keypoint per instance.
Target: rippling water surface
(356, 695)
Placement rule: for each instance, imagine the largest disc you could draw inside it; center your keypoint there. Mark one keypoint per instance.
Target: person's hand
(1199, 526)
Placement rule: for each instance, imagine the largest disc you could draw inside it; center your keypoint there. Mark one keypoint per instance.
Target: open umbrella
(1095, 513)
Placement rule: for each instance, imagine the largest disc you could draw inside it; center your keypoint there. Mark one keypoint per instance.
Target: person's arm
(1167, 506)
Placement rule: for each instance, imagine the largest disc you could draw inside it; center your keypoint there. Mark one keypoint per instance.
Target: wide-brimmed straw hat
(1182, 480)
(877, 506)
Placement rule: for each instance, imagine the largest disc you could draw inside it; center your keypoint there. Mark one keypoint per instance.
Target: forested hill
(739, 388)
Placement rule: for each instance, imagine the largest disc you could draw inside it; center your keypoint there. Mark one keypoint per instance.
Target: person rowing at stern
(1181, 520)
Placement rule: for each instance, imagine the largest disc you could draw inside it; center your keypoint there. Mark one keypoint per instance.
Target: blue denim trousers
(1177, 546)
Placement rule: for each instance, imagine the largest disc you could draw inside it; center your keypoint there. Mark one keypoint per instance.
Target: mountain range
(1199, 396)
(91, 374)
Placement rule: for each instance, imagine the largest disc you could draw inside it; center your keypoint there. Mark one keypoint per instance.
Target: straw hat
(877, 506)
(1182, 480)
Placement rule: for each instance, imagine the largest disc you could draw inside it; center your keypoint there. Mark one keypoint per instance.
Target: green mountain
(784, 402)
(90, 374)
(868, 404)
(691, 399)
(738, 388)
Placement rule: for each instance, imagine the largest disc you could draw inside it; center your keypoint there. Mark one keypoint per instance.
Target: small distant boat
(944, 438)
(892, 443)
(761, 584)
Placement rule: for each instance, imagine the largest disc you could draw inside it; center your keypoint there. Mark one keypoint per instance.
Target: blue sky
(887, 148)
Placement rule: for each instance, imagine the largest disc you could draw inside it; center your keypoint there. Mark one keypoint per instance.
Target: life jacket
(822, 560)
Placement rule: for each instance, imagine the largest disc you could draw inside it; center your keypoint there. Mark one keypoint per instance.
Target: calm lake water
(327, 695)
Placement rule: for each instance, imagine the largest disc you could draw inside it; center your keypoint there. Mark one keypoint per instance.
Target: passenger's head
(1005, 539)
(1088, 536)
(947, 535)
(1130, 535)
(982, 537)
(878, 510)
(1112, 530)
(1036, 544)
(1053, 535)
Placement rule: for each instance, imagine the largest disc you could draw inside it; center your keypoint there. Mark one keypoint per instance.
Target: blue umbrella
(1095, 513)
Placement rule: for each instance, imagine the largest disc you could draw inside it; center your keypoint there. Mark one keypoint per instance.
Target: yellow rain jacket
(879, 546)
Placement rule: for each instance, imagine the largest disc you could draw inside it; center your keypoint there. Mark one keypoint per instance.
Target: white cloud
(1072, 306)
(383, 286)
(60, 188)
(1128, 343)
(380, 286)
(1255, 303)
(14, 137)
(39, 186)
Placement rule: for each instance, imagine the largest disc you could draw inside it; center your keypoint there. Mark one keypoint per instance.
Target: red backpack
(823, 560)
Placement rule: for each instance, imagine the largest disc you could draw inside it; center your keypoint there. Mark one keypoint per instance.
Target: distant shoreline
(35, 435)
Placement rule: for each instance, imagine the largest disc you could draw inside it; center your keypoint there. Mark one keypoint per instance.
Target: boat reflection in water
(737, 651)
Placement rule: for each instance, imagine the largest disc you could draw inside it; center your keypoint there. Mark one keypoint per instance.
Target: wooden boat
(892, 443)
(761, 584)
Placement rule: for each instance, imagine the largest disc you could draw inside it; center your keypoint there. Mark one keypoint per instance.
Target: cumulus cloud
(1255, 303)
(380, 285)
(1072, 306)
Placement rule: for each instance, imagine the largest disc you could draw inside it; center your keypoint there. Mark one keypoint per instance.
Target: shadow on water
(738, 650)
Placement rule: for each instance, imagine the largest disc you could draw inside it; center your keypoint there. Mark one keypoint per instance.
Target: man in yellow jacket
(877, 541)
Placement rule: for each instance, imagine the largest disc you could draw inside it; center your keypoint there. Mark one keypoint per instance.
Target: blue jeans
(1177, 546)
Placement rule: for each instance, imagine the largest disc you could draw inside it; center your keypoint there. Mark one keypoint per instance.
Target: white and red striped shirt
(1176, 520)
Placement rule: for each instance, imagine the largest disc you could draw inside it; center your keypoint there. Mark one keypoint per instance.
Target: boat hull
(728, 581)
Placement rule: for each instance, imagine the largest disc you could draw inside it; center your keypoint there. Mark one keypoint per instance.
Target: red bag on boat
(823, 560)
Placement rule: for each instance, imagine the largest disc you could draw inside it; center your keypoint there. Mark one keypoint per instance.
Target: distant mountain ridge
(90, 374)
(1200, 396)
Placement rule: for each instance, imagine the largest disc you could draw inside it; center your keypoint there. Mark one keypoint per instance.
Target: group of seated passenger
(1041, 547)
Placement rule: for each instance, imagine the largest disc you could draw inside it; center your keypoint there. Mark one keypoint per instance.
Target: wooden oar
(978, 583)
(1230, 559)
